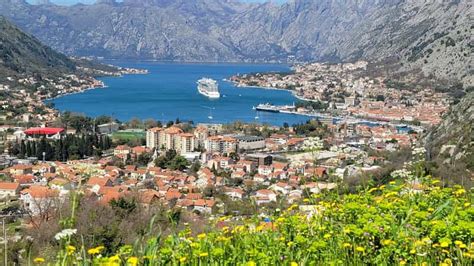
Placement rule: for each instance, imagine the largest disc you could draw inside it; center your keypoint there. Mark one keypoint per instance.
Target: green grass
(128, 135)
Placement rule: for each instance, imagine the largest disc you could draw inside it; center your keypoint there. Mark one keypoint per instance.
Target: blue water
(169, 91)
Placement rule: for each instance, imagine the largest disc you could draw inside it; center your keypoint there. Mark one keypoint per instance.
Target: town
(197, 168)
(347, 90)
(357, 133)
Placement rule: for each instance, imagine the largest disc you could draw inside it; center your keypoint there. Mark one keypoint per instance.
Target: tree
(195, 167)
(150, 123)
(178, 163)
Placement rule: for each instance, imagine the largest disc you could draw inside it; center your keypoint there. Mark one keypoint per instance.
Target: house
(248, 143)
(9, 189)
(204, 206)
(234, 193)
(148, 197)
(39, 199)
(25, 180)
(96, 183)
(44, 132)
(264, 196)
(21, 169)
(122, 151)
(265, 170)
(281, 187)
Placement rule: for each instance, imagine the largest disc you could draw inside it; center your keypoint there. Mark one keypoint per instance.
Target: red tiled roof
(9, 185)
(43, 131)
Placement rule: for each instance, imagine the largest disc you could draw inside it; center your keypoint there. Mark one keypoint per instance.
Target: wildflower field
(394, 224)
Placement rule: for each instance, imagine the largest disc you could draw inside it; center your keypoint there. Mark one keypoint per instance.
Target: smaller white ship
(209, 88)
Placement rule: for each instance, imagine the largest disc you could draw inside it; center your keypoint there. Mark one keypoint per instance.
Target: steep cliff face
(433, 36)
(450, 145)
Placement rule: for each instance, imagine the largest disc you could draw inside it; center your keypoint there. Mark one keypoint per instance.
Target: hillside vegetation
(417, 222)
(21, 53)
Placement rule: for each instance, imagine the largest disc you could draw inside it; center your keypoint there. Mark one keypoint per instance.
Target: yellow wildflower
(292, 207)
(306, 200)
(448, 261)
(403, 262)
(387, 242)
(346, 245)
(251, 263)
(372, 189)
(412, 251)
(204, 254)
(458, 243)
(201, 236)
(96, 250)
(459, 192)
(360, 249)
(38, 260)
(132, 261)
(326, 236)
(293, 263)
(70, 249)
(444, 244)
(290, 244)
(280, 220)
(114, 258)
(182, 259)
(467, 204)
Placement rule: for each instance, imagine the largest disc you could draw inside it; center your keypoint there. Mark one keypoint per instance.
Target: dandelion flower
(360, 249)
(346, 245)
(444, 244)
(96, 250)
(293, 263)
(204, 254)
(251, 263)
(132, 261)
(182, 259)
(70, 249)
(38, 260)
(201, 236)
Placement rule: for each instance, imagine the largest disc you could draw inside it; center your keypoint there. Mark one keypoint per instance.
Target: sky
(70, 2)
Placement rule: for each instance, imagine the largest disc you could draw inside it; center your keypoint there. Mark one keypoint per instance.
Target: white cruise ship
(209, 88)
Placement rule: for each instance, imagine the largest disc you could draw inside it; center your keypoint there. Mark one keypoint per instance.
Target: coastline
(237, 85)
(95, 84)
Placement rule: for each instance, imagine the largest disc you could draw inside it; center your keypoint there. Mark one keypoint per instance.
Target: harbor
(332, 119)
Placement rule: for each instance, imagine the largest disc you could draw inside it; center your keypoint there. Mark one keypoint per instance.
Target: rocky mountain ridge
(432, 37)
(21, 53)
(450, 145)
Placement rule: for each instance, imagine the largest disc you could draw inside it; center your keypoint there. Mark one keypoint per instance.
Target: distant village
(349, 92)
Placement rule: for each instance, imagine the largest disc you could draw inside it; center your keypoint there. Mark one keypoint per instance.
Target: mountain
(432, 37)
(450, 145)
(22, 53)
